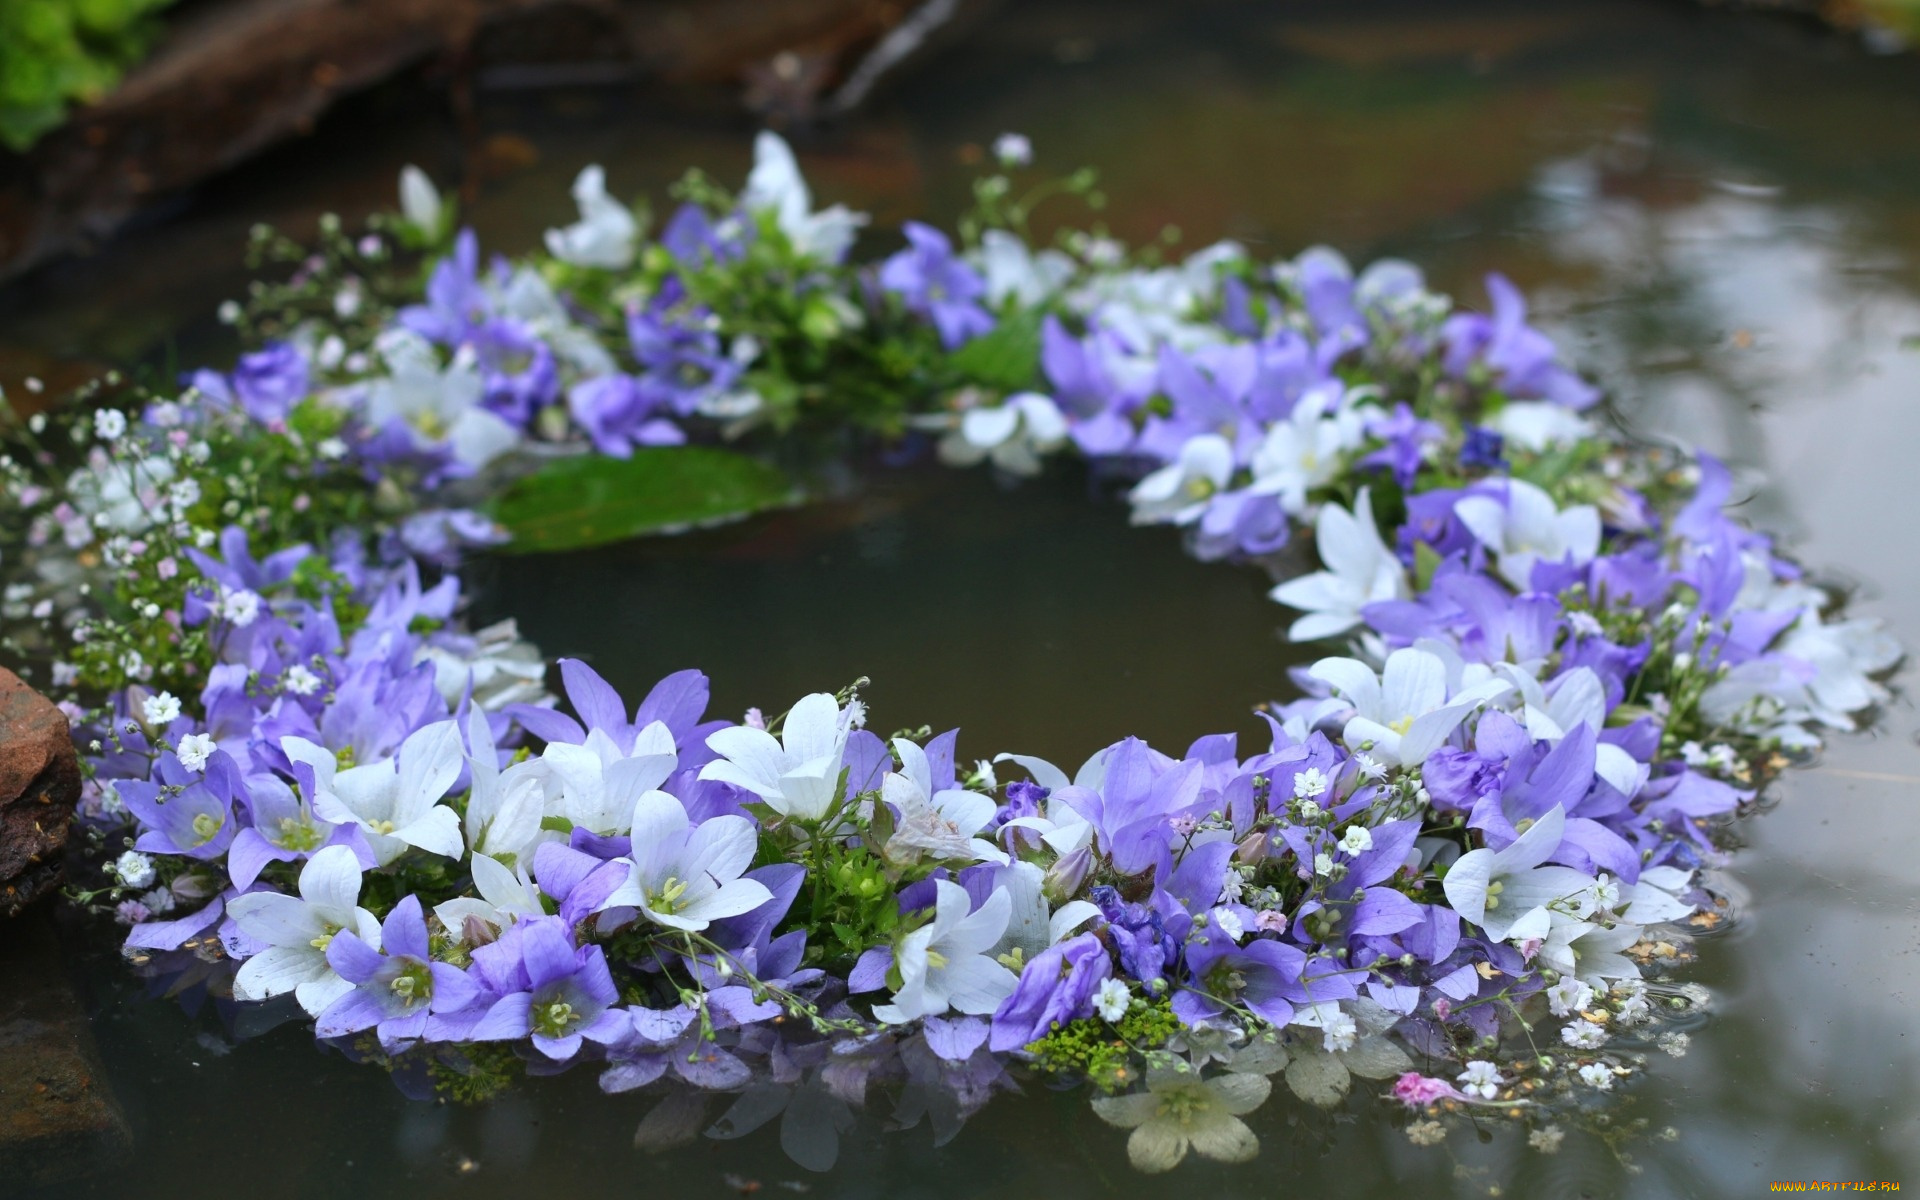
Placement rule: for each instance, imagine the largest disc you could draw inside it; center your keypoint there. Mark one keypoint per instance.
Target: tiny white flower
(1568, 996)
(134, 869)
(983, 774)
(1309, 811)
(1111, 1000)
(1226, 922)
(1584, 624)
(238, 608)
(300, 681)
(1371, 768)
(1606, 893)
(1583, 1035)
(857, 713)
(185, 493)
(1597, 1075)
(1675, 1043)
(194, 750)
(1323, 864)
(1338, 1031)
(331, 448)
(1481, 1078)
(1309, 783)
(109, 424)
(1013, 149)
(161, 710)
(1357, 840)
(1547, 1140)
(228, 312)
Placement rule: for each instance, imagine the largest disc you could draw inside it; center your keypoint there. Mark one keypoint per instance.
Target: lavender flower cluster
(1561, 678)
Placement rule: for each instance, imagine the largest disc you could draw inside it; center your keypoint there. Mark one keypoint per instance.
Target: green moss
(1107, 1055)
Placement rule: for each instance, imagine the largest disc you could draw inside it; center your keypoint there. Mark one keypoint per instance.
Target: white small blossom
(1583, 1035)
(161, 710)
(1226, 922)
(1111, 1000)
(857, 713)
(1568, 996)
(1309, 783)
(1547, 1140)
(300, 681)
(1371, 768)
(1606, 893)
(331, 448)
(1584, 624)
(109, 424)
(1597, 1075)
(228, 312)
(1481, 1078)
(1323, 864)
(1309, 811)
(1013, 149)
(1357, 840)
(194, 750)
(1338, 1031)
(184, 493)
(134, 869)
(1675, 1043)
(238, 608)
(983, 774)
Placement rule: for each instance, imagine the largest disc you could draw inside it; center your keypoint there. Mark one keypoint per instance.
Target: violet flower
(398, 988)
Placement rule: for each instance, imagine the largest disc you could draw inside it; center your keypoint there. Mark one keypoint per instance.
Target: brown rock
(39, 785)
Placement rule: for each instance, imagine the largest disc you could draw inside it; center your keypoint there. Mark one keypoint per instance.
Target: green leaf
(1007, 359)
(593, 499)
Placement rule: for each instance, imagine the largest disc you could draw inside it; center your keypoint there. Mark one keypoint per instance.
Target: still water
(1721, 216)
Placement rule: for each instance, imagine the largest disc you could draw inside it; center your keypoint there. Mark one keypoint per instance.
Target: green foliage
(55, 52)
(590, 500)
(1007, 359)
(1107, 1055)
(850, 904)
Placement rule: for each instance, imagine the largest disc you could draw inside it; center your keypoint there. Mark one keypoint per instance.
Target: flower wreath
(308, 780)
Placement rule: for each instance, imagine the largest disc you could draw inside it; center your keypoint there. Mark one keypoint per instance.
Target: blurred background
(1716, 209)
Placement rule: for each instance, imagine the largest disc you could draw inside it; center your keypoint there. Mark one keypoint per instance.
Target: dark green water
(1720, 215)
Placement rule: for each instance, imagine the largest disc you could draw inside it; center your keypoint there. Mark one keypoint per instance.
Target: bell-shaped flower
(798, 775)
(438, 408)
(1015, 435)
(944, 964)
(936, 825)
(298, 929)
(687, 876)
(1590, 952)
(775, 185)
(507, 894)
(1406, 712)
(1572, 699)
(397, 988)
(284, 826)
(1307, 449)
(505, 808)
(398, 805)
(1510, 893)
(1012, 270)
(1179, 491)
(605, 234)
(1059, 824)
(1360, 570)
(598, 785)
(1032, 923)
(549, 991)
(1528, 528)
